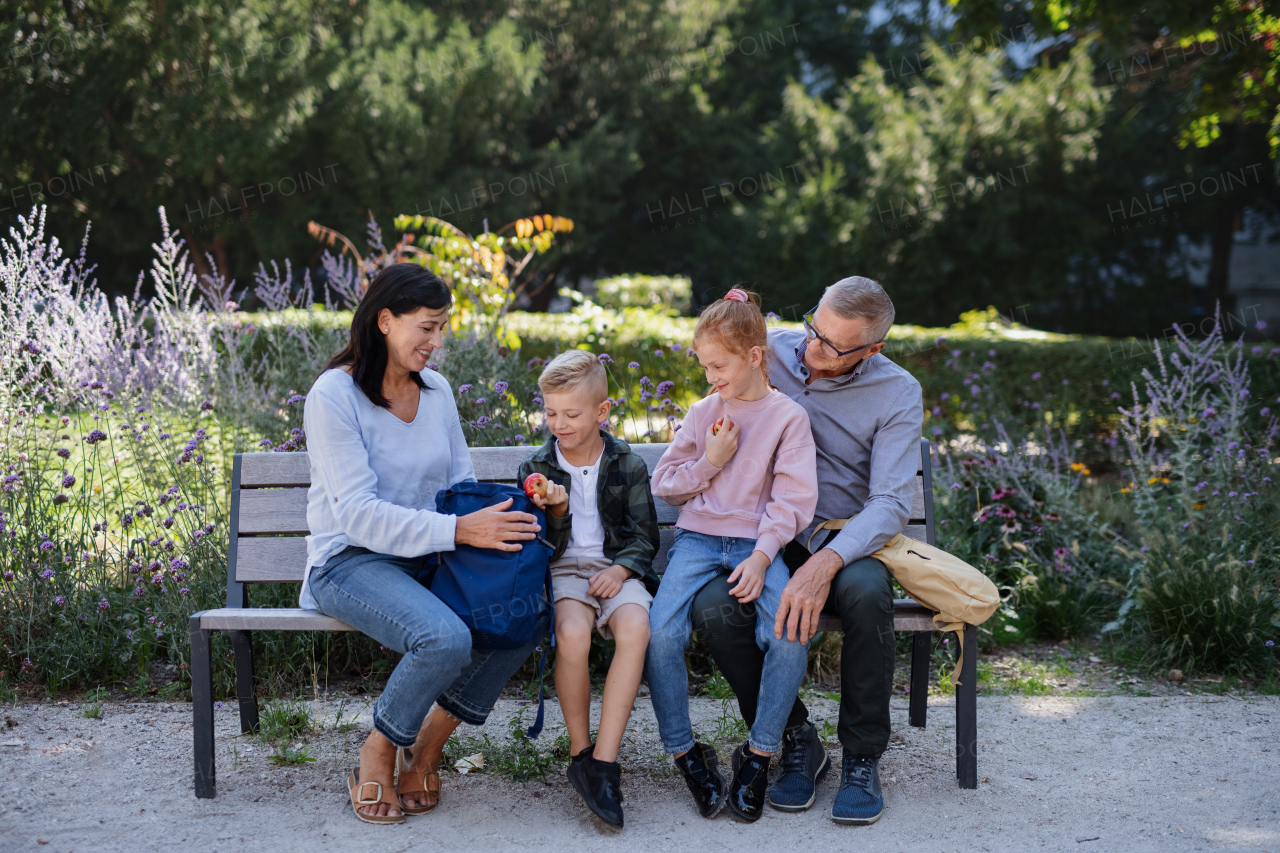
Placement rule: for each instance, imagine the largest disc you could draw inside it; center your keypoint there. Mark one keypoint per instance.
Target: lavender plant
(1201, 460)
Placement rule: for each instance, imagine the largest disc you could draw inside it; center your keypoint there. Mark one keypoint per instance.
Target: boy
(602, 522)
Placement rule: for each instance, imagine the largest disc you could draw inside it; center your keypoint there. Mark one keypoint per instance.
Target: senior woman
(383, 437)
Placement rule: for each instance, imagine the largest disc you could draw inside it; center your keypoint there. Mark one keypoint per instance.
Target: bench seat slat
(269, 619)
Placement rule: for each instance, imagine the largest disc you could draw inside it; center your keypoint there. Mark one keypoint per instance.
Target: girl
(742, 469)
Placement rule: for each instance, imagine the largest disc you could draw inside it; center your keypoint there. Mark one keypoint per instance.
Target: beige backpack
(956, 591)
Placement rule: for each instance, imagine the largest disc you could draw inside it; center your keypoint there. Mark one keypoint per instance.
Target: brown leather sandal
(415, 782)
(359, 799)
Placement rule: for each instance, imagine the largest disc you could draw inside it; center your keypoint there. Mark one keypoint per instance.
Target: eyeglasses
(828, 349)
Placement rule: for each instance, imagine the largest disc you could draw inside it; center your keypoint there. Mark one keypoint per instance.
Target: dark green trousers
(862, 598)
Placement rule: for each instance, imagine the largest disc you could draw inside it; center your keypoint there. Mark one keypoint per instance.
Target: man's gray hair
(859, 298)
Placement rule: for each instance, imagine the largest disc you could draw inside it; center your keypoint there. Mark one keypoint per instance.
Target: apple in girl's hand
(536, 484)
(717, 426)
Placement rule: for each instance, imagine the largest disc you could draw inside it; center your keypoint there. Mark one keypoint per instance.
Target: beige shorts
(570, 577)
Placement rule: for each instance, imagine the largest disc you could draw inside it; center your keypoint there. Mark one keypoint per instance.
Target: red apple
(536, 484)
(717, 426)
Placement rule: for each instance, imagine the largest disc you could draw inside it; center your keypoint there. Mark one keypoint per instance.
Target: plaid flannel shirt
(627, 514)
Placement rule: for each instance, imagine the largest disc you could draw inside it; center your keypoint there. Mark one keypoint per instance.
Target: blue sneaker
(803, 764)
(859, 801)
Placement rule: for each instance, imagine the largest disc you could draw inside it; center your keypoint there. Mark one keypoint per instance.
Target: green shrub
(670, 294)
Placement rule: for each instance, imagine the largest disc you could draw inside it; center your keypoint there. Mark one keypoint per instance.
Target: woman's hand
(492, 527)
(721, 447)
(556, 502)
(750, 577)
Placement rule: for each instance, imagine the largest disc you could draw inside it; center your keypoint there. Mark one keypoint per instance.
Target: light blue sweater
(374, 477)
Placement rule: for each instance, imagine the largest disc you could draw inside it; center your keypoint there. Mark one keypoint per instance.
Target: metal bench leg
(202, 710)
(967, 713)
(242, 643)
(920, 644)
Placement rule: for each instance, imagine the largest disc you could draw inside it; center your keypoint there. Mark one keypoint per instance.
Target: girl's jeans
(382, 596)
(695, 559)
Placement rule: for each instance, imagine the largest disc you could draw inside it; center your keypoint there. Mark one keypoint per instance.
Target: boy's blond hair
(572, 370)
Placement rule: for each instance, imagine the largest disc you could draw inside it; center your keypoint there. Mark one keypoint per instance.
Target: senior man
(866, 415)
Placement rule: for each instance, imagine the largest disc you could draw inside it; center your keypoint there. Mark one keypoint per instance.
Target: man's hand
(556, 502)
(805, 596)
(721, 447)
(750, 577)
(608, 582)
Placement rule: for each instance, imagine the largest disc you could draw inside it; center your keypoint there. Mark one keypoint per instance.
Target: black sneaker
(701, 770)
(859, 801)
(599, 783)
(750, 781)
(803, 764)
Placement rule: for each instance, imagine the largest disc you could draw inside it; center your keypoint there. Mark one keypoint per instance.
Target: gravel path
(1113, 773)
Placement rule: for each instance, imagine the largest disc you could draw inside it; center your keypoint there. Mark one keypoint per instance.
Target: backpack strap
(536, 729)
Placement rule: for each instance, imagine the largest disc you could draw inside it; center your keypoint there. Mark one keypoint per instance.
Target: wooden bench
(268, 526)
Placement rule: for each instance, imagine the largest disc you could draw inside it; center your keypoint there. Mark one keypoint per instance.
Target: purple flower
(657, 352)
(46, 574)
(1035, 377)
(1232, 494)
(95, 436)
(46, 545)
(499, 387)
(431, 365)
(1264, 411)
(296, 398)
(59, 499)
(605, 358)
(59, 600)
(1270, 643)
(519, 439)
(945, 396)
(206, 405)
(8, 576)
(480, 401)
(266, 442)
(463, 389)
(63, 452)
(675, 348)
(139, 591)
(104, 605)
(183, 591)
(634, 365)
(1209, 412)
(177, 564)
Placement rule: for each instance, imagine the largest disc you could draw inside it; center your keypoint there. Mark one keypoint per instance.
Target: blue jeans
(694, 560)
(384, 598)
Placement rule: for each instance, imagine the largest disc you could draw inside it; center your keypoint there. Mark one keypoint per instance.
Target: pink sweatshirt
(768, 491)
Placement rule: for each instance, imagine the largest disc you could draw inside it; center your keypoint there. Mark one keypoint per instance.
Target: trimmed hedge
(1025, 376)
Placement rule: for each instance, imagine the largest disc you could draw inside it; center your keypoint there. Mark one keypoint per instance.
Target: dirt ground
(1116, 772)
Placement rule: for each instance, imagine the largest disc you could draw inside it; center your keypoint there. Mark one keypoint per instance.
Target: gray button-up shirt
(866, 425)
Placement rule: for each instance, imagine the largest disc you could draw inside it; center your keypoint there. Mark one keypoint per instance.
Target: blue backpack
(500, 595)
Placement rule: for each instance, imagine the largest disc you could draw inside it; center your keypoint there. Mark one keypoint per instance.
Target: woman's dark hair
(401, 289)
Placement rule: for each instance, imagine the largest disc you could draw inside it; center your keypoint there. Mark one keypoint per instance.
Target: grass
(287, 756)
(283, 720)
(517, 757)
(92, 707)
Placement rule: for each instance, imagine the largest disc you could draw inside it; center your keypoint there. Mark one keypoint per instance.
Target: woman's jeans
(384, 598)
(693, 561)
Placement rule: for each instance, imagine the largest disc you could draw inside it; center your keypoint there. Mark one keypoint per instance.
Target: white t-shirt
(586, 537)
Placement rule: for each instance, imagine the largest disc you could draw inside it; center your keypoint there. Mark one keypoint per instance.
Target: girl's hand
(556, 502)
(491, 527)
(750, 577)
(720, 448)
(608, 583)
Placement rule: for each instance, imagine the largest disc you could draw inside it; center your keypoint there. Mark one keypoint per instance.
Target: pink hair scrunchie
(737, 295)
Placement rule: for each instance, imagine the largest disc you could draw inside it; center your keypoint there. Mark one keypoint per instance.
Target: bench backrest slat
(271, 497)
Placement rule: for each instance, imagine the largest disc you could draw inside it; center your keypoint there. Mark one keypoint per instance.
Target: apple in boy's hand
(717, 426)
(536, 484)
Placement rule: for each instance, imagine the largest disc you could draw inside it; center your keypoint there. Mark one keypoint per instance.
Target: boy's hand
(750, 577)
(556, 502)
(608, 583)
(720, 448)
